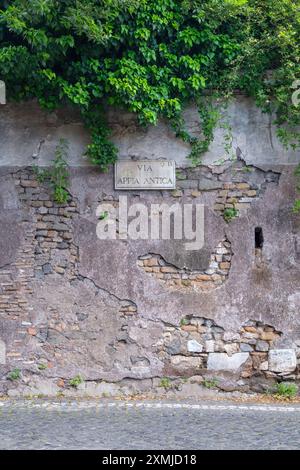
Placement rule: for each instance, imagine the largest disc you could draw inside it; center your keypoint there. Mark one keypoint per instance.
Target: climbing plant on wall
(152, 57)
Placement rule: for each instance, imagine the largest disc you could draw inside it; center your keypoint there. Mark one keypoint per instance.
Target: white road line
(66, 406)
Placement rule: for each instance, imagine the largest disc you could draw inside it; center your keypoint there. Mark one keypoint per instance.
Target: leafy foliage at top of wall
(152, 57)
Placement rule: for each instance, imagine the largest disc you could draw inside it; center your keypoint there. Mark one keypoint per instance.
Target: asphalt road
(147, 425)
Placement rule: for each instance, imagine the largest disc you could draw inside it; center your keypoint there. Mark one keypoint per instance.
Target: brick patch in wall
(238, 196)
(15, 279)
(174, 278)
(187, 348)
(54, 249)
(48, 248)
(236, 185)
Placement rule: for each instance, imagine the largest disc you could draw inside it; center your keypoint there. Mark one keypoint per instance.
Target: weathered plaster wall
(29, 136)
(124, 314)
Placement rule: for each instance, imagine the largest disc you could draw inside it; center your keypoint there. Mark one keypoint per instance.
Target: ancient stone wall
(147, 316)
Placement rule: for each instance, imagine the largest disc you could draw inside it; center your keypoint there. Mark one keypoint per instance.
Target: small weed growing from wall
(76, 381)
(180, 175)
(296, 207)
(229, 214)
(42, 366)
(210, 383)
(57, 175)
(286, 390)
(165, 383)
(247, 169)
(15, 374)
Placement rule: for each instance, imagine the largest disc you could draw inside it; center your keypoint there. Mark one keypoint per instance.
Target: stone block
(242, 206)
(225, 265)
(47, 268)
(282, 360)
(209, 346)
(246, 200)
(168, 269)
(231, 348)
(229, 186)
(222, 361)
(219, 207)
(250, 329)
(194, 347)
(268, 336)
(177, 193)
(264, 366)
(150, 262)
(189, 327)
(246, 347)
(249, 335)
(184, 363)
(203, 277)
(262, 346)
(209, 185)
(60, 227)
(59, 270)
(29, 184)
(231, 336)
(174, 347)
(187, 184)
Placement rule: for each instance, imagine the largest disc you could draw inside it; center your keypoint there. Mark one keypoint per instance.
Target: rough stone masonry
(138, 316)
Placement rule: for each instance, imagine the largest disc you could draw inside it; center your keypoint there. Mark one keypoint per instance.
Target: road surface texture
(147, 425)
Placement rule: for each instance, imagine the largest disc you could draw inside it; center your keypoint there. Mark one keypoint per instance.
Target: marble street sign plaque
(145, 174)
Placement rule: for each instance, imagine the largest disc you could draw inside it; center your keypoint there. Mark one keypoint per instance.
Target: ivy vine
(152, 57)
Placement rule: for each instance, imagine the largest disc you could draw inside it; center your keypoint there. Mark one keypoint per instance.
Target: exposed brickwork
(187, 347)
(236, 187)
(15, 279)
(172, 277)
(54, 250)
(47, 248)
(238, 196)
(128, 308)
